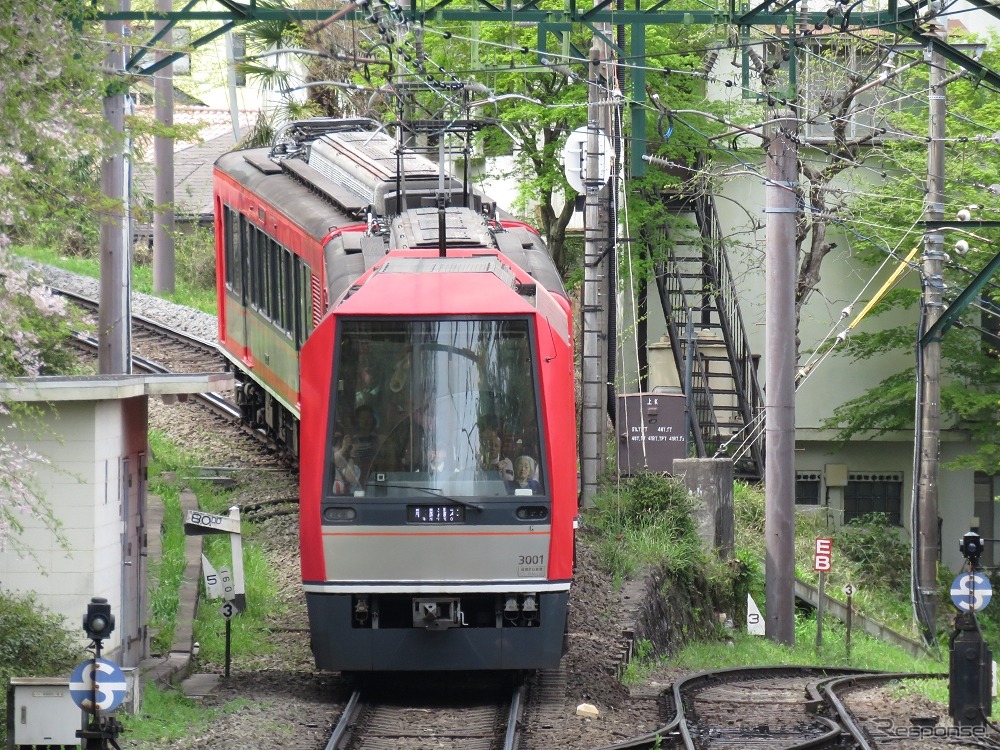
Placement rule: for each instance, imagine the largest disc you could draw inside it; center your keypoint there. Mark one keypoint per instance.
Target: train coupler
(438, 614)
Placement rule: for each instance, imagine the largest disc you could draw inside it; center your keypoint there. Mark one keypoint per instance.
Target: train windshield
(436, 407)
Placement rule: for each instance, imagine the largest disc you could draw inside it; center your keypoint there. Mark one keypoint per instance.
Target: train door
(244, 284)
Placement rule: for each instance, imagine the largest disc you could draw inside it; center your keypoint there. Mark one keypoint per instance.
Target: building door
(130, 621)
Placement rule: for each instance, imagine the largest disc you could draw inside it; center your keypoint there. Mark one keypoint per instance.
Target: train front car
(438, 468)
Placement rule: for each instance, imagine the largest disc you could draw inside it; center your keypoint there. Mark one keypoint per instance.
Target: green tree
(971, 349)
(53, 135)
(53, 129)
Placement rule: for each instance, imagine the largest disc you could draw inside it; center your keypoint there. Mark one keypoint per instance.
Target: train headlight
(532, 512)
(339, 515)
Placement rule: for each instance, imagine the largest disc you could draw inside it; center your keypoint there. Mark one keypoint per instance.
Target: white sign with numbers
(755, 623)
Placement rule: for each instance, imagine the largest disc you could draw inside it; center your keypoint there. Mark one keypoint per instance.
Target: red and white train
(417, 355)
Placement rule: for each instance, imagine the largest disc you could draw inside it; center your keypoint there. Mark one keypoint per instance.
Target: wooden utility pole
(925, 535)
(163, 157)
(781, 210)
(114, 355)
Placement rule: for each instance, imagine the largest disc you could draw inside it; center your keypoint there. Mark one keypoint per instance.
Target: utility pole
(781, 209)
(114, 355)
(164, 274)
(595, 299)
(925, 535)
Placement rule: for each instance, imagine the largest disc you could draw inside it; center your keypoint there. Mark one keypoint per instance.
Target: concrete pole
(234, 101)
(114, 355)
(779, 362)
(926, 533)
(163, 158)
(594, 304)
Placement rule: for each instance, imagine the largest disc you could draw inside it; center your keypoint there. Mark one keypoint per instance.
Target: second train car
(425, 378)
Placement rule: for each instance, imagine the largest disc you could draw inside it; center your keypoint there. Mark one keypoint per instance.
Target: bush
(877, 551)
(33, 643)
(646, 519)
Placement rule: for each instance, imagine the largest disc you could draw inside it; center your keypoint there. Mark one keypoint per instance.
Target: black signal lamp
(98, 623)
(971, 547)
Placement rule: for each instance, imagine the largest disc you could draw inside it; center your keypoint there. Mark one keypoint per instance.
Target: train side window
(303, 299)
(273, 281)
(285, 292)
(254, 282)
(260, 269)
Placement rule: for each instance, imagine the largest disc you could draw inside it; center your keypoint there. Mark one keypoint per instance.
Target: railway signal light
(98, 623)
(971, 547)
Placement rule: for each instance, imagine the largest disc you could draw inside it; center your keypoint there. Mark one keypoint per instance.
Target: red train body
(427, 386)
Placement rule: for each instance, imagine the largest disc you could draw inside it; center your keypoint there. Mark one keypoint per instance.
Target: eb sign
(823, 555)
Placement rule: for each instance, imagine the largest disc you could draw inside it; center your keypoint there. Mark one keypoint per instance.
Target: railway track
(778, 708)
(395, 719)
(160, 348)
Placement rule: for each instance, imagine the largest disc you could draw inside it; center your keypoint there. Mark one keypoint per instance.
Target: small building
(91, 433)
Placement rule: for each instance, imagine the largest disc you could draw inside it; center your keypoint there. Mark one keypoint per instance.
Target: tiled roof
(192, 161)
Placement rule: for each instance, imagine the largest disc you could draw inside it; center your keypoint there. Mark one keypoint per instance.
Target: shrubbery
(879, 554)
(648, 520)
(33, 643)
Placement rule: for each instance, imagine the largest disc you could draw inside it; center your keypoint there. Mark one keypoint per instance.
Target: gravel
(277, 696)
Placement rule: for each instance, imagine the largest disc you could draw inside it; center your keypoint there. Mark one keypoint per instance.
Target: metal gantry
(554, 24)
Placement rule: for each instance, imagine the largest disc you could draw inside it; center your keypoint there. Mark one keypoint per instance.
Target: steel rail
(347, 719)
(844, 715)
(514, 718)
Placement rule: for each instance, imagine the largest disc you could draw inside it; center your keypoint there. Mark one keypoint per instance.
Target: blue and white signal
(971, 592)
(98, 681)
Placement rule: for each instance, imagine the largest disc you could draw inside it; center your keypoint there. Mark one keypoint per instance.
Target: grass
(195, 264)
(251, 640)
(166, 717)
(743, 650)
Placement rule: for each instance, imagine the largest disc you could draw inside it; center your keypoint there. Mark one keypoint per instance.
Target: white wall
(82, 486)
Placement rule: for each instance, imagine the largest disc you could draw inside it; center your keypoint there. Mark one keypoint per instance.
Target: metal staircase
(708, 339)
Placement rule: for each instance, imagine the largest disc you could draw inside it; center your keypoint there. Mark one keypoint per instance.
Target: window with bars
(874, 492)
(807, 487)
(827, 67)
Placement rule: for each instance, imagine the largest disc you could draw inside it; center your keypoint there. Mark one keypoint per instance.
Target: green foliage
(644, 659)
(970, 367)
(33, 643)
(166, 573)
(741, 649)
(35, 326)
(54, 129)
(251, 636)
(167, 716)
(877, 552)
(648, 522)
(193, 258)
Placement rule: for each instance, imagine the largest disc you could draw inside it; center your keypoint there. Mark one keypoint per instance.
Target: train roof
(326, 174)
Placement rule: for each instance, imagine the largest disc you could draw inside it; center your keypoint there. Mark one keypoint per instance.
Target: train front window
(443, 407)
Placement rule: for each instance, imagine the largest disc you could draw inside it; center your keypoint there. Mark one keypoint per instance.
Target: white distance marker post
(198, 523)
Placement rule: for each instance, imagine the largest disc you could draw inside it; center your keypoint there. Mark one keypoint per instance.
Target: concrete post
(711, 480)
